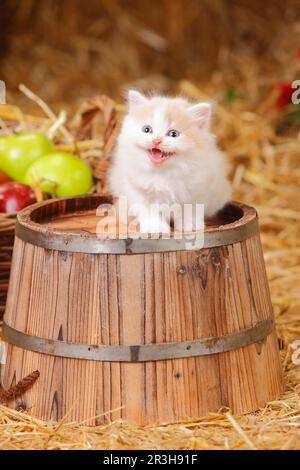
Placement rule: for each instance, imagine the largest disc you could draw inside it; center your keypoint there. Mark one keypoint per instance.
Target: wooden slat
(135, 299)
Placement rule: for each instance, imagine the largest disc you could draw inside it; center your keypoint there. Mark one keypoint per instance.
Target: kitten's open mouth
(157, 156)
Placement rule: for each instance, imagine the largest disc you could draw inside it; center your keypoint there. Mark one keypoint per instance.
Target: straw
(197, 57)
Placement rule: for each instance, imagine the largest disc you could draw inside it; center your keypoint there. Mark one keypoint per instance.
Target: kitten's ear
(135, 98)
(201, 112)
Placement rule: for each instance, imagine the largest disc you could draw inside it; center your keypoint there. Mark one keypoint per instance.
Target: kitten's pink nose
(156, 142)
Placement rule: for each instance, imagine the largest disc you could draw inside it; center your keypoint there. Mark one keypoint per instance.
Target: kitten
(166, 154)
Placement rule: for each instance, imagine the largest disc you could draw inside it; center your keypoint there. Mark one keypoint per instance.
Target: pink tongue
(156, 155)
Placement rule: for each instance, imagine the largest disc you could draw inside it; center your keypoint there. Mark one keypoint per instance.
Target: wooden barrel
(142, 330)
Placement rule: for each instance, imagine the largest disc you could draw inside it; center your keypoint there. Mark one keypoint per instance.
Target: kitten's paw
(154, 227)
(186, 226)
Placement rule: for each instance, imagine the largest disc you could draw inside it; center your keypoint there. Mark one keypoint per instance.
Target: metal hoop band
(141, 352)
(53, 240)
(30, 229)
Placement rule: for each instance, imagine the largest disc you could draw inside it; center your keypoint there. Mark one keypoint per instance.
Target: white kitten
(166, 154)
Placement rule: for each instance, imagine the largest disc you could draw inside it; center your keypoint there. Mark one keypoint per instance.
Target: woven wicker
(92, 141)
(7, 229)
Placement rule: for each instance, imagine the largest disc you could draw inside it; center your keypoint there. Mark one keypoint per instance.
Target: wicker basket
(93, 130)
(7, 230)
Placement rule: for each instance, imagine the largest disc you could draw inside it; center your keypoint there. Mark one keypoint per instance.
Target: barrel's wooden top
(71, 225)
(86, 221)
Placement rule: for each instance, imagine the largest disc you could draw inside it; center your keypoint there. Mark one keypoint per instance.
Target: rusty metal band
(84, 243)
(140, 352)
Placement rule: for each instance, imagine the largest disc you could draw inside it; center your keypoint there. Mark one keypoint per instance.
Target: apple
(4, 178)
(18, 151)
(60, 174)
(15, 196)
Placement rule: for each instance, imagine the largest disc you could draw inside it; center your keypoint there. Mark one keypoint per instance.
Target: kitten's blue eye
(147, 129)
(173, 133)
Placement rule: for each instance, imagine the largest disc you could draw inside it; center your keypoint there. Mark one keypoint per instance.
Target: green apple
(60, 174)
(19, 151)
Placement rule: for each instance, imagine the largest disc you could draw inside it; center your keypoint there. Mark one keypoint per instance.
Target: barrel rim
(59, 240)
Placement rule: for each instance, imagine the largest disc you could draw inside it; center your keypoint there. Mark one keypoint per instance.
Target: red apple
(4, 177)
(15, 196)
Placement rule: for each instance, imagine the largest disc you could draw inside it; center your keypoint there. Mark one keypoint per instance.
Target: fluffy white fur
(194, 173)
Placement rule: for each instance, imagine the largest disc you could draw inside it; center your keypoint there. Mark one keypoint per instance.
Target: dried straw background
(65, 51)
(242, 51)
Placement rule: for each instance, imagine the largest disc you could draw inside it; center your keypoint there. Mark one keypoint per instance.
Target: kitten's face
(165, 129)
